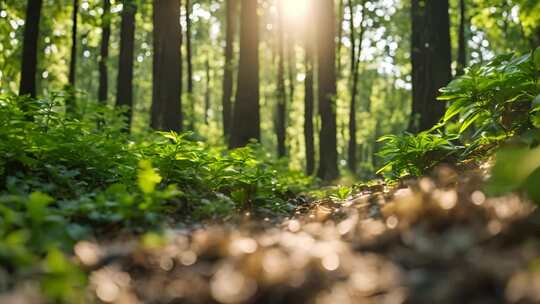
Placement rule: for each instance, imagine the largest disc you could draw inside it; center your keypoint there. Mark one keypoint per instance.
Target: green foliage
(411, 154)
(489, 104)
(495, 97)
(64, 179)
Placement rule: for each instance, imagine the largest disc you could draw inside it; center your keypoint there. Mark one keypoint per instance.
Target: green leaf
(37, 206)
(148, 177)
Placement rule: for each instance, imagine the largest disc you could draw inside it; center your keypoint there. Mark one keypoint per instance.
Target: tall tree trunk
(73, 62)
(189, 57)
(30, 44)
(70, 100)
(309, 139)
(431, 61)
(356, 51)
(124, 92)
(207, 91)
(291, 64)
(328, 169)
(462, 40)
(281, 105)
(341, 17)
(167, 67)
(246, 120)
(228, 69)
(103, 88)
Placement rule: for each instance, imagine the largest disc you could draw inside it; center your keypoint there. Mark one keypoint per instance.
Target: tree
(246, 118)
(30, 44)
(462, 40)
(189, 59)
(124, 92)
(103, 88)
(431, 61)
(207, 92)
(309, 139)
(327, 90)
(167, 67)
(356, 51)
(231, 6)
(281, 104)
(70, 100)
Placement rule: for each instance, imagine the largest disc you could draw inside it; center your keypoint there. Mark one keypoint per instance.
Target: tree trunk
(327, 90)
(341, 16)
(124, 92)
(228, 69)
(462, 40)
(70, 100)
(207, 91)
(431, 61)
(104, 52)
(30, 45)
(291, 64)
(356, 50)
(189, 57)
(281, 105)
(246, 120)
(73, 62)
(167, 67)
(308, 99)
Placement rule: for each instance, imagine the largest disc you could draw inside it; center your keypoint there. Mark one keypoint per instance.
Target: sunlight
(295, 11)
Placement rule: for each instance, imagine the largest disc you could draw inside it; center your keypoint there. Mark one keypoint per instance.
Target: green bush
(64, 179)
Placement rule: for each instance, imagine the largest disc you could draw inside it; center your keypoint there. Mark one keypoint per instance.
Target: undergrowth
(493, 105)
(64, 179)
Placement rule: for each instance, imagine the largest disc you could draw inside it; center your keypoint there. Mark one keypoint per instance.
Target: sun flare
(295, 10)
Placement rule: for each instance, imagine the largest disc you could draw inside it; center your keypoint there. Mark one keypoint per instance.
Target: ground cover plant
(64, 179)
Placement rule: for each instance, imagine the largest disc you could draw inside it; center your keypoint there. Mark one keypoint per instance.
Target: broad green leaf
(148, 177)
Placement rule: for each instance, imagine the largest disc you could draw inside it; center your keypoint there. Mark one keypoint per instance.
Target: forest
(269, 151)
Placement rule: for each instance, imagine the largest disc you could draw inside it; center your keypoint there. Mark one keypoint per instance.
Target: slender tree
(341, 16)
(431, 61)
(291, 65)
(246, 119)
(124, 92)
(73, 62)
(70, 100)
(462, 40)
(356, 51)
(189, 60)
(281, 104)
(207, 92)
(228, 68)
(167, 67)
(309, 138)
(327, 90)
(30, 44)
(103, 88)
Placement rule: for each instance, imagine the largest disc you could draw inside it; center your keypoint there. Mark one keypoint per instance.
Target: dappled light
(269, 151)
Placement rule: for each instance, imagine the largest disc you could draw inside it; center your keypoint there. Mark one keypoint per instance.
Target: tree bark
(228, 68)
(462, 40)
(73, 62)
(71, 98)
(189, 57)
(30, 44)
(246, 120)
(103, 88)
(309, 138)
(356, 51)
(341, 16)
(281, 104)
(167, 67)
(431, 61)
(207, 91)
(124, 92)
(327, 90)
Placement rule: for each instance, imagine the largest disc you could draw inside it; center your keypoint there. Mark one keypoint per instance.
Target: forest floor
(437, 239)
